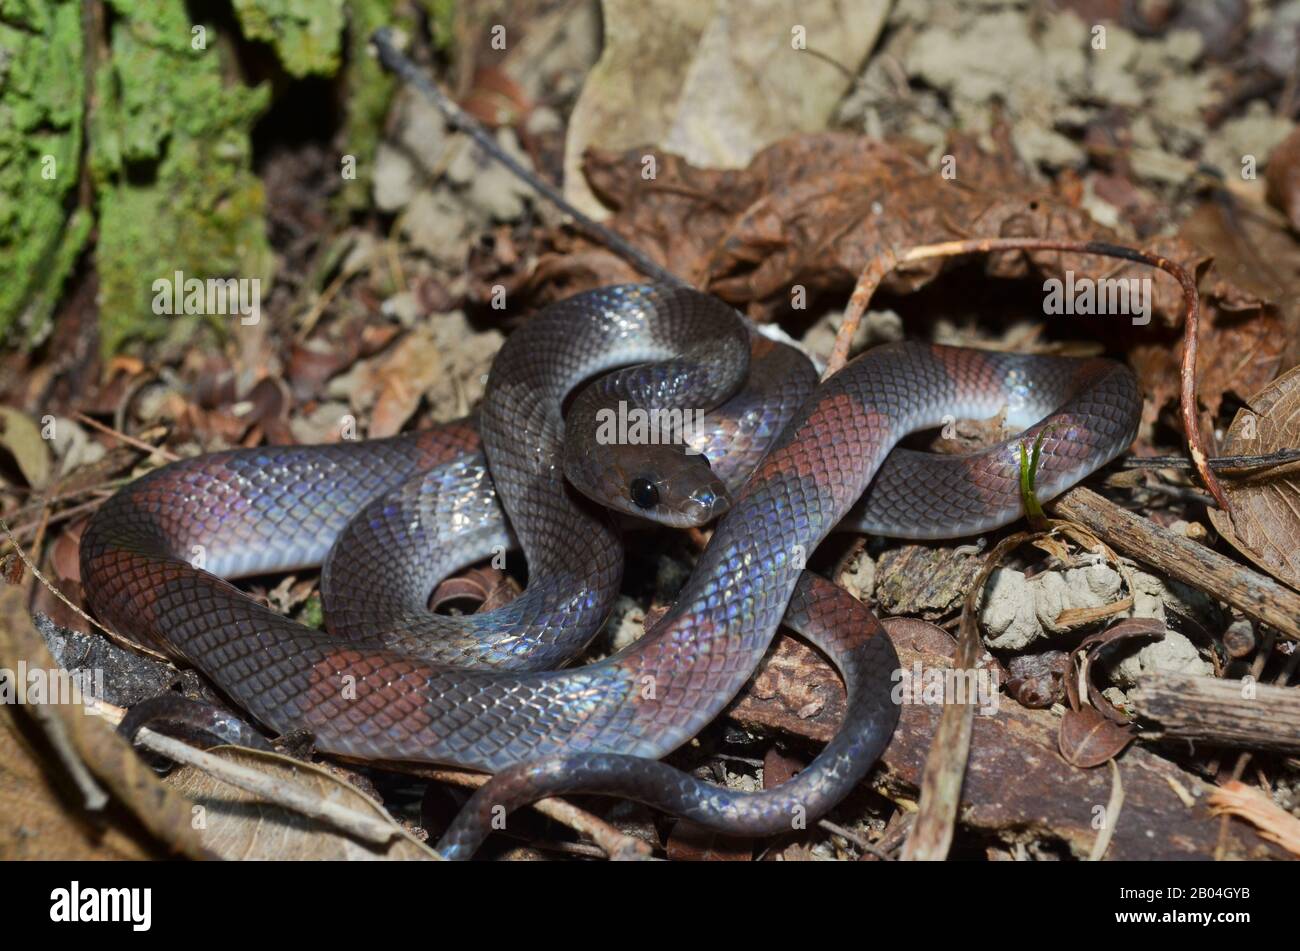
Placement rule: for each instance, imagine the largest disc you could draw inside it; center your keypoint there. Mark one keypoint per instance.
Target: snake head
(663, 484)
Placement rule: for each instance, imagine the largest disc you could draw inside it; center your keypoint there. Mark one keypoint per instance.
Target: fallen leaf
(1283, 178)
(35, 821)
(1088, 739)
(236, 824)
(685, 77)
(22, 439)
(72, 740)
(811, 211)
(1265, 519)
(1090, 649)
(1243, 345)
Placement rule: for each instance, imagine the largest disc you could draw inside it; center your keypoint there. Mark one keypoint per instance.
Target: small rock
(435, 224)
(321, 425)
(1018, 611)
(394, 179)
(1172, 654)
(859, 577)
(403, 307)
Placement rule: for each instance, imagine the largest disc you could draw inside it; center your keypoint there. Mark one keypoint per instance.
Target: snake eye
(644, 493)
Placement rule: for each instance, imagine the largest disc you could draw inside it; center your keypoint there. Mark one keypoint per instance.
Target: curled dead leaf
(1088, 739)
(1265, 519)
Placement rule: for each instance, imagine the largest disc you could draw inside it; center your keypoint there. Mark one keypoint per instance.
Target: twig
(1250, 592)
(129, 440)
(614, 843)
(94, 798)
(945, 765)
(13, 601)
(1219, 712)
(1271, 820)
(857, 840)
(885, 262)
(20, 531)
(1113, 806)
(322, 301)
(1267, 460)
(397, 62)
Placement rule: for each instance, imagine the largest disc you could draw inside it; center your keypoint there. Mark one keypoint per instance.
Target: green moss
(442, 15)
(172, 159)
(169, 154)
(305, 33)
(41, 232)
(368, 91)
(312, 613)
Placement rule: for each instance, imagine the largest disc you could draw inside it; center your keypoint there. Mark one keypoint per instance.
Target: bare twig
(1268, 460)
(1250, 592)
(129, 440)
(945, 765)
(614, 843)
(1113, 806)
(290, 795)
(857, 840)
(396, 61)
(1218, 712)
(1271, 820)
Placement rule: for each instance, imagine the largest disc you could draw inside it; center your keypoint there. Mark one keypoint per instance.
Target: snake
(778, 462)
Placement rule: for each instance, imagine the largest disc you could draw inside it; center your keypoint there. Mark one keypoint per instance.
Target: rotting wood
(1208, 710)
(1017, 787)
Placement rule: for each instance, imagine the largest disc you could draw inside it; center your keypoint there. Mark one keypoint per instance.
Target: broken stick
(1250, 592)
(1233, 713)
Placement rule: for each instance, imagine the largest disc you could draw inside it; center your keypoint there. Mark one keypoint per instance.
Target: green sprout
(1028, 474)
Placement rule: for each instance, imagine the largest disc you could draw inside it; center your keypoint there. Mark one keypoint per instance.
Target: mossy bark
(169, 153)
(41, 102)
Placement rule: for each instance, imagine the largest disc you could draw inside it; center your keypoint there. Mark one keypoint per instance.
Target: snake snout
(706, 503)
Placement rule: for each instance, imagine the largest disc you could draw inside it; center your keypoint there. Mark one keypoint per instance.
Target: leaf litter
(396, 325)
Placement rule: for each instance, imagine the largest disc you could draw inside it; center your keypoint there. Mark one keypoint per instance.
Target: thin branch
(945, 765)
(1253, 594)
(614, 843)
(165, 454)
(397, 62)
(1268, 460)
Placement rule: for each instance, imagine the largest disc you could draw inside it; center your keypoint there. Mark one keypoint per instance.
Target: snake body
(388, 681)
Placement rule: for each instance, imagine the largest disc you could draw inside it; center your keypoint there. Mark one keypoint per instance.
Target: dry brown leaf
(1265, 520)
(35, 821)
(1088, 739)
(682, 76)
(1283, 178)
(237, 824)
(813, 210)
(69, 733)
